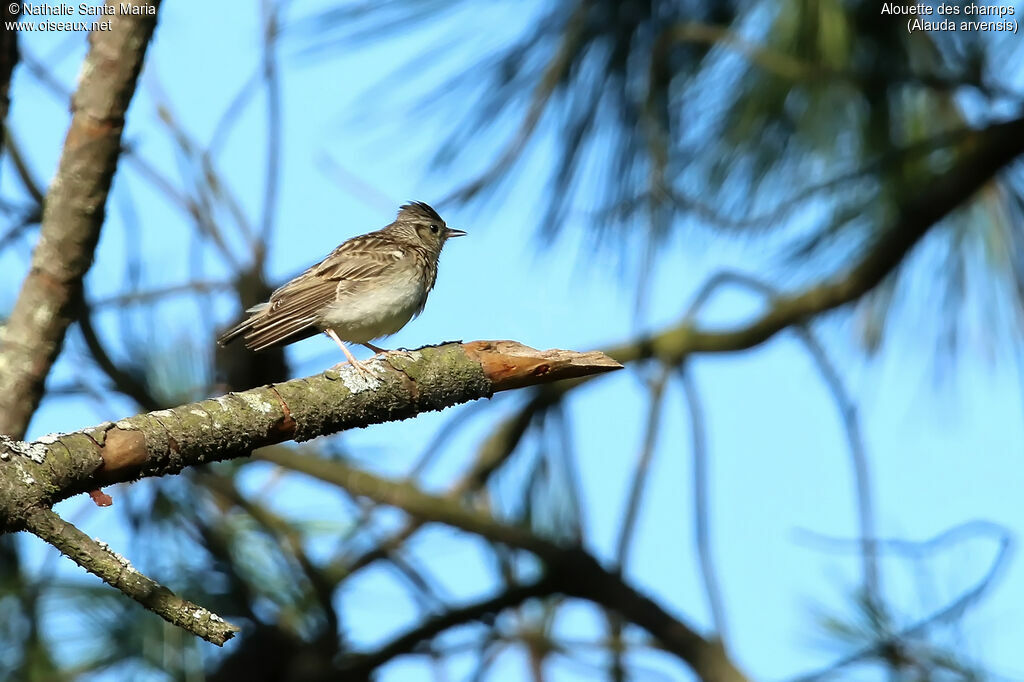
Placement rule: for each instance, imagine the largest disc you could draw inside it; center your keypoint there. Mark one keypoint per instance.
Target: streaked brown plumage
(367, 288)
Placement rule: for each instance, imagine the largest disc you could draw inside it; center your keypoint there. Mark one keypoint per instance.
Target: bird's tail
(242, 327)
(236, 331)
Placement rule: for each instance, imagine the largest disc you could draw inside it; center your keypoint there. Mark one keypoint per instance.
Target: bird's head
(418, 221)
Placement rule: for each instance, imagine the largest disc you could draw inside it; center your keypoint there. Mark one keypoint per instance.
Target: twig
(353, 185)
(570, 470)
(491, 455)
(952, 610)
(412, 639)
(983, 153)
(142, 297)
(124, 381)
(701, 514)
(8, 60)
(446, 431)
(574, 572)
(25, 174)
(285, 535)
(545, 89)
(97, 558)
(643, 465)
(848, 416)
(273, 84)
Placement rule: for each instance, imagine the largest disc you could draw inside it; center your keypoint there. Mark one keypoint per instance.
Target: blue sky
(942, 452)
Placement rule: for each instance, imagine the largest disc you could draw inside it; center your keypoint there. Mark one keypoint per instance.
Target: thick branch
(164, 442)
(115, 570)
(572, 570)
(73, 213)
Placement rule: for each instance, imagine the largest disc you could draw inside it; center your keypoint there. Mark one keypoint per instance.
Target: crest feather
(419, 209)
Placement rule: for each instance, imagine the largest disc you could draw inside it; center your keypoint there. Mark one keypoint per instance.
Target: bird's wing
(358, 260)
(299, 304)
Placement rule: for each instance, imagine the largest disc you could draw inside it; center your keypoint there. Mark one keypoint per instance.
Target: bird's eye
(434, 228)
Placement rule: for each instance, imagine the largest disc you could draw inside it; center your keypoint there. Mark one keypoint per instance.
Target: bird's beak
(455, 233)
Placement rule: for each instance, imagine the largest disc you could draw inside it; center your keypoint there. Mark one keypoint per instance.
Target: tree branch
(574, 572)
(491, 455)
(124, 381)
(33, 476)
(115, 570)
(36, 475)
(73, 214)
(8, 60)
(360, 666)
(983, 153)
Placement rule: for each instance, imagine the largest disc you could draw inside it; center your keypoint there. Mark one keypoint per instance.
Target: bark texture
(36, 475)
(73, 214)
(97, 558)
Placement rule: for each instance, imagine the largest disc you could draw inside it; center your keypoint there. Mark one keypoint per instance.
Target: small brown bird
(367, 288)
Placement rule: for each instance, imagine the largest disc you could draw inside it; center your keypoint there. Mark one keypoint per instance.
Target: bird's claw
(359, 366)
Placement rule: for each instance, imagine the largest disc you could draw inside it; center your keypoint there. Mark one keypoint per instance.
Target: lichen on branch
(165, 442)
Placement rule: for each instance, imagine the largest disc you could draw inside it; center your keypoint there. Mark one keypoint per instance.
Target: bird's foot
(377, 350)
(381, 352)
(384, 352)
(360, 367)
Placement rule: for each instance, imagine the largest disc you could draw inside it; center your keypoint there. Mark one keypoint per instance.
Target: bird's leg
(377, 350)
(383, 351)
(351, 358)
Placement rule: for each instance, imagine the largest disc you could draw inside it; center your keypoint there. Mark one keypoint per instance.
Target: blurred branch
(273, 161)
(116, 571)
(497, 447)
(207, 185)
(156, 177)
(8, 60)
(285, 535)
(423, 590)
(553, 74)
(124, 381)
(643, 465)
(446, 432)
(953, 610)
(987, 152)
(566, 453)
(360, 666)
(73, 214)
(354, 185)
(492, 454)
(29, 215)
(859, 460)
(701, 524)
(574, 572)
(28, 179)
(153, 295)
(19, 229)
(773, 61)
(636, 490)
(847, 414)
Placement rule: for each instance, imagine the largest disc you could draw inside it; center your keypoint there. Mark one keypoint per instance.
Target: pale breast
(376, 310)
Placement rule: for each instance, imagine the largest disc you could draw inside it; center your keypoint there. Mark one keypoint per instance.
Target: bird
(367, 288)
